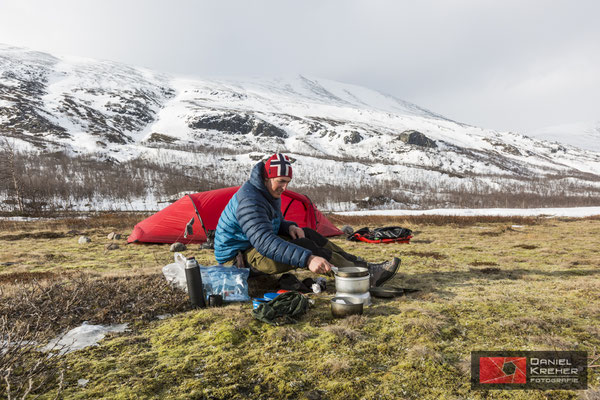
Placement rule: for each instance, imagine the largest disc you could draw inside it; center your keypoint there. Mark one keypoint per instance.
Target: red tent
(205, 208)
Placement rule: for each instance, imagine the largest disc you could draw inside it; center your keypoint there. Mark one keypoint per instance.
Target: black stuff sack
(283, 309)
(290, 282)
(388, 234)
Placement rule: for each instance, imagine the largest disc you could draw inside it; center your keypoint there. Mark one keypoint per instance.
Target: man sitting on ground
(252, 231)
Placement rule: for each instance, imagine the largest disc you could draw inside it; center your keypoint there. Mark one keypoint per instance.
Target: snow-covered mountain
(583, 135)
(339, 134)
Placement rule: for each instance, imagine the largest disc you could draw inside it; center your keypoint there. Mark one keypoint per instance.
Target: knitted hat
(278, 165)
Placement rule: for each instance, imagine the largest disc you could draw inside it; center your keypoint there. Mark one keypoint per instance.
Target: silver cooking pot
(351, 280)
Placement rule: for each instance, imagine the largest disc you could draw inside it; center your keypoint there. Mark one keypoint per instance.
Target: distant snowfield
(575, 212)
(583, 135)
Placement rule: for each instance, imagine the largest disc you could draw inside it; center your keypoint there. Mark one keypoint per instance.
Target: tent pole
(288, 207)
(199, 217)
(314, 212)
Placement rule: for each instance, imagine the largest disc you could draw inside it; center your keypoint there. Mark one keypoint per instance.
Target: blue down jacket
(252, 218)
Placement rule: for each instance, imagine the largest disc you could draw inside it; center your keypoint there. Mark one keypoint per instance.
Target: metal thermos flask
(194, 282)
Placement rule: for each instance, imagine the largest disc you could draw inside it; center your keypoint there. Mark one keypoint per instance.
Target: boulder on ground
(84, 240)
(418, 139)
(177, 246)
(347, 229)
(111, 246)
(114, 236)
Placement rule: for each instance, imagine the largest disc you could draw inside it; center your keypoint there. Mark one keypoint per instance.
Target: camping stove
(356, 288)
(364, 298)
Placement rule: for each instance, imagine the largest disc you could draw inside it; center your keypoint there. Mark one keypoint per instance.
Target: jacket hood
(257, 180)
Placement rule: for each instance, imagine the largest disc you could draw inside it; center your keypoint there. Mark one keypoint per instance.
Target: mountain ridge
(340, 134)
(584, 135)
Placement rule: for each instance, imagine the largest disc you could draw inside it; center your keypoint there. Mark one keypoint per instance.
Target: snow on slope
(339, 134)
(106, 102)
(84, 104)
(324, 118)
(582, 135)
(573, 212)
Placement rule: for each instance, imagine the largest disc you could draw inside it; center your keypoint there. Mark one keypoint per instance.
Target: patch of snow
(83, 336)
(24, 219)
(6, 345)
(6, 103)
(582, 135)
(576, 212)
(20, 145)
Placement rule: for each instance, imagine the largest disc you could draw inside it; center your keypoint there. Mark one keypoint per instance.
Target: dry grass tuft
(77, 221)
(593, 330)
(534, 322)
(290, 335)
(343, 333)
(464, 366)
(492, 233)
(486, 270)
(20, 277)
(591, 394)
(526, 246)
(25, 370)
(333, 367)
(243, 321)
(553, 342)
(423, 326)
(426, 254)
(483, 263)
(592, 310)
(423, 352)
(354, 321)
(34, 235)
(64, 303)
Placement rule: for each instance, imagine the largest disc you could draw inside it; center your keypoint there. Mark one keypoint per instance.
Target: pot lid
(352, 272)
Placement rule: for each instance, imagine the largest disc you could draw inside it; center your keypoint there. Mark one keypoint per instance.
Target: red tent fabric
(169, 224)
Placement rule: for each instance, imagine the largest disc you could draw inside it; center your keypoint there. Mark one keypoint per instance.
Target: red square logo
(502, 370)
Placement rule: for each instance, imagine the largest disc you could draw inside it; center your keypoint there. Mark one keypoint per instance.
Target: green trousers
(319, 245)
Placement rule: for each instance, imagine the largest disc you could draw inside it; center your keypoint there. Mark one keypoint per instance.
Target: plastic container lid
(271, 295)
(258, 301)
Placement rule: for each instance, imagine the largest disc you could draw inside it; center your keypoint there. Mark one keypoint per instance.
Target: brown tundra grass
(485, 283)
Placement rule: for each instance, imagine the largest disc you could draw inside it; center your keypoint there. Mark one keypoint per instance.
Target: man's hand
(319, 265)
(295, 232)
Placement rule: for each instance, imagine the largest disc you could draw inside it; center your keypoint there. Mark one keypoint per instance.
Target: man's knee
(304, 242)
(312, 246)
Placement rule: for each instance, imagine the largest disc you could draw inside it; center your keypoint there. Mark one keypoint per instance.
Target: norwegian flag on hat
(278, 165)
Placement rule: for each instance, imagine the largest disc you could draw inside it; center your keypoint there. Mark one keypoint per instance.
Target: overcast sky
(508, 65)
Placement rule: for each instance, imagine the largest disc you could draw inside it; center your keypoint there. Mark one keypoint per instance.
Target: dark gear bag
(283, 309)
(388, 234)
(290, 282)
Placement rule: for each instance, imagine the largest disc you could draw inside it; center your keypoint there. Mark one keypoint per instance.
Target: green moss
(481, 290)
